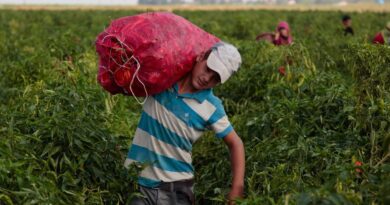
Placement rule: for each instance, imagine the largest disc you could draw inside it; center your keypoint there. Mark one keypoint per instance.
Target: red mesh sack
(147, 53)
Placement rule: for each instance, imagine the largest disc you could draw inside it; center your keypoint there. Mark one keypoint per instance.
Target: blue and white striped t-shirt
(170, 123)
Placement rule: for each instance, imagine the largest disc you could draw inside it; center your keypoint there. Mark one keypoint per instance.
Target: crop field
(320, 134)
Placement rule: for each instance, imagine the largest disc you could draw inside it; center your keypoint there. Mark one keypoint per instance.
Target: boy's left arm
(237, 160)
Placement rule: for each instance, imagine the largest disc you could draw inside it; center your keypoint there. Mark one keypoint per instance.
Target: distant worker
(347, 22)
(282, 36)
(383, 37)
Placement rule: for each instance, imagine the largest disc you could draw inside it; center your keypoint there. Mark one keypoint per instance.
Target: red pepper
(282, 70)
(358, 164)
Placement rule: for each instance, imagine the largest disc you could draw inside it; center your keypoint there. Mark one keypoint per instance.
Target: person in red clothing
(383, 37)
(282, 36)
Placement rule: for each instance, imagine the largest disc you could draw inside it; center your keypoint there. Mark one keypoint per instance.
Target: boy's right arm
(237, 160)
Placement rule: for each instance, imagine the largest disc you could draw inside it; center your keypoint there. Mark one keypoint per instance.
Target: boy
(174, 119)
(347, 24)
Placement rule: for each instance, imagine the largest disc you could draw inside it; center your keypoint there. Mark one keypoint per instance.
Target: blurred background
(164, 2)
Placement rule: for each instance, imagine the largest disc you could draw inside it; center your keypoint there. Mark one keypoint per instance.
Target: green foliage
(64, 139)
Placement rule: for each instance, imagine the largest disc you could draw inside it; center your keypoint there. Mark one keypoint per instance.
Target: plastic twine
(135, 75)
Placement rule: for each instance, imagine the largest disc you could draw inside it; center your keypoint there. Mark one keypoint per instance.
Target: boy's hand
(235, 192)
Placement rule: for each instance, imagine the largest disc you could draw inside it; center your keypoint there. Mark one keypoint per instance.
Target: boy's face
(203, 77)
(347, 22)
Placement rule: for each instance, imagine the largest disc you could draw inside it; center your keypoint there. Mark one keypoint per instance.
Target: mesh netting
(145, 54)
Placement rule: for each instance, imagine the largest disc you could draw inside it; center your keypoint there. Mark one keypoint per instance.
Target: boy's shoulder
(214, 99)
(201, 98)
(217, 103)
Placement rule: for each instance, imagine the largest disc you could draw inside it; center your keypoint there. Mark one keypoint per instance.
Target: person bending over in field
(282, 36)
(173, 120)
(383, 37)
(347, 24)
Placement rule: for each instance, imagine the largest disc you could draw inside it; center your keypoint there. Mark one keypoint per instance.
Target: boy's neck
(185, 85)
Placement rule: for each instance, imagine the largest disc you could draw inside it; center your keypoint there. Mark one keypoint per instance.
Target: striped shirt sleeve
(219, 122)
